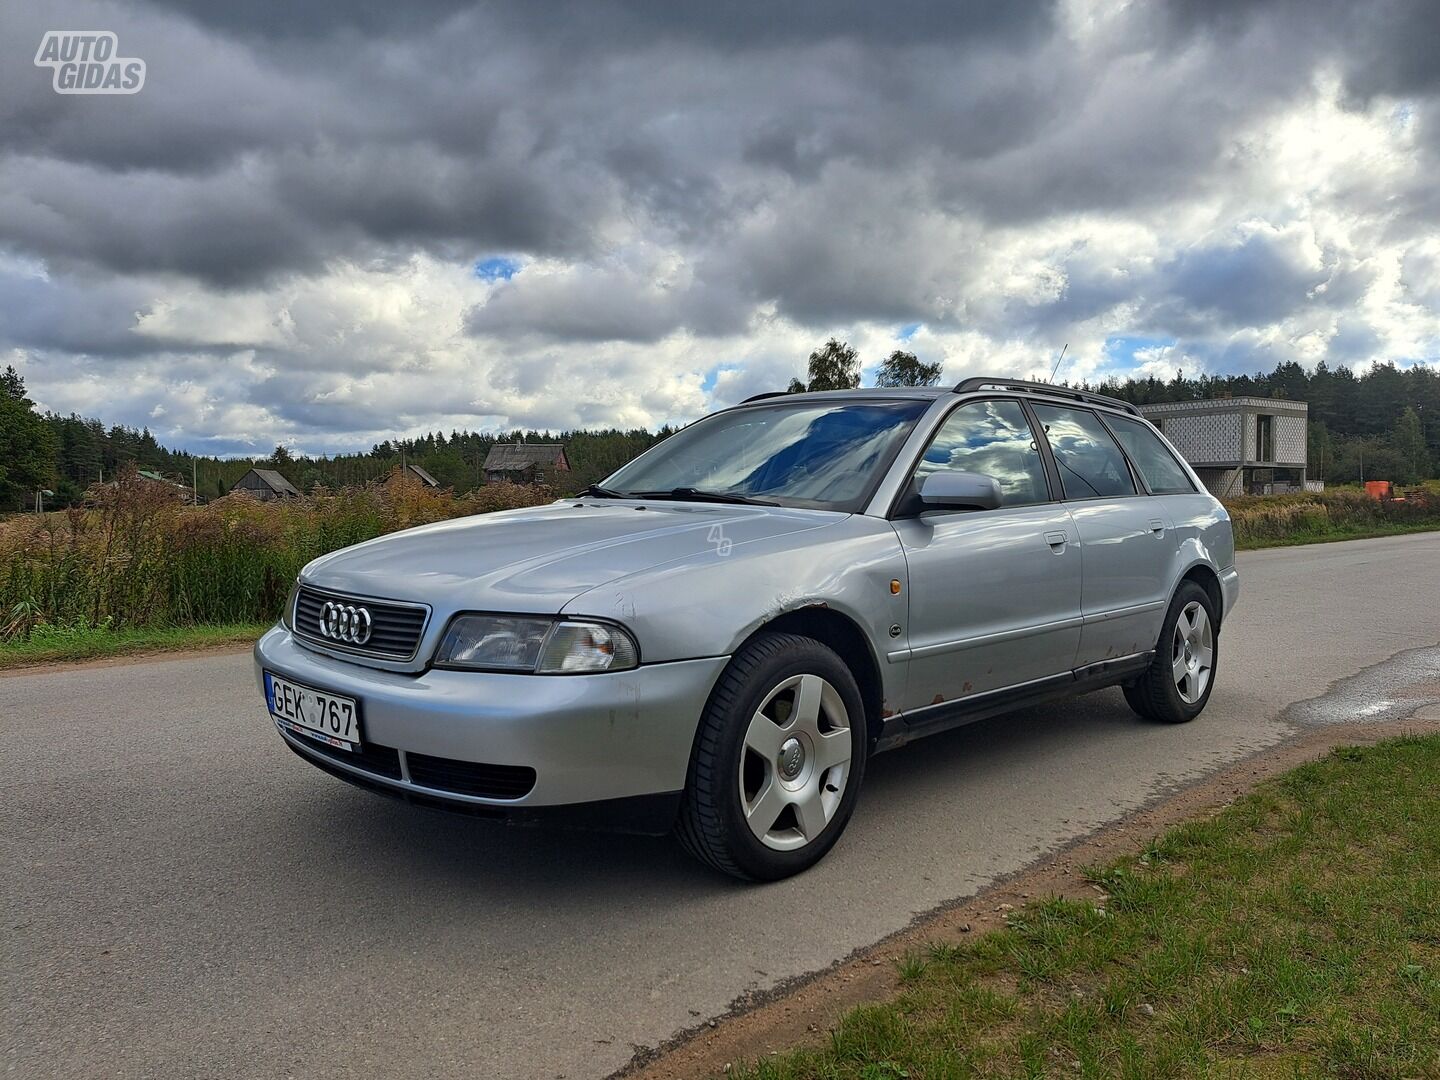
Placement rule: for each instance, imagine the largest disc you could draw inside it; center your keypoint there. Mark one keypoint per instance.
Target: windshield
(824, 456)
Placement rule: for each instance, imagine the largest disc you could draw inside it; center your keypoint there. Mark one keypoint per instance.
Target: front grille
(395, 628)
(470, 777)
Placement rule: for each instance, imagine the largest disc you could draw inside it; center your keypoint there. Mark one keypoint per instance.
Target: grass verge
(1296, 932)
(89, 644)
(1331, 534)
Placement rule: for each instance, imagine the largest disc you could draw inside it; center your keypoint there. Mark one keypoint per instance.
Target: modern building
(1238, 446)
(266, 484)
(524, 463)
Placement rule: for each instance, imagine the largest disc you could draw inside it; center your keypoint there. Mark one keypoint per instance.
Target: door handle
(1157, 526)
(1057, 541)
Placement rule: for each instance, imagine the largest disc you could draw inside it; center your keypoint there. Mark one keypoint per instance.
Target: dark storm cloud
(225, 229)
(1256, 281)
(608, 22)
(1091, 289)
(70, 316)
(1355, 341)
(282, 19)
(603, 304)
(524, 126)
(539, 127)
(1382, 46)
(1401, 54)
(691, 171)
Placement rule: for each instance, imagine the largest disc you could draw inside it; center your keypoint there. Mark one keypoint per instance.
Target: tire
(1167, 692)
(747, 778)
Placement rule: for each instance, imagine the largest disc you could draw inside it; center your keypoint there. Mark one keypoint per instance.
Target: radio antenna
(1057, 361)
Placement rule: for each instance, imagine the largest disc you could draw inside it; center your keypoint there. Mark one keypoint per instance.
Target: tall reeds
(1262, 519)
(136, 557)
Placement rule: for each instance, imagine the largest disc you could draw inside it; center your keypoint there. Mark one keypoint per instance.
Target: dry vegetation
(1341, 513)
(136, 558)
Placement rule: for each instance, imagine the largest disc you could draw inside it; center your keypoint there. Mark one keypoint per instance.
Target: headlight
(541, 646)
(497, 642)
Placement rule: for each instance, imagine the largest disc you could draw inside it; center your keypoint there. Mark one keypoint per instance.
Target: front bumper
(1229, 590)
(590, 738)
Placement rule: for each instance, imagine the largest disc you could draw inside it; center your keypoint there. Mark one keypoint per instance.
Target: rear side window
(1090, 461)
(1152, 458)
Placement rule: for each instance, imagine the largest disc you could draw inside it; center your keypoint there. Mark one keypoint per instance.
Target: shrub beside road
(1337, 514)
(86, 581)
(1297, 932)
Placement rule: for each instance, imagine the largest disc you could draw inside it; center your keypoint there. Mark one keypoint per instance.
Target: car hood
(538, 558)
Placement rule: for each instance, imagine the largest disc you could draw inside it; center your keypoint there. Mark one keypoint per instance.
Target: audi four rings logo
(345, 622)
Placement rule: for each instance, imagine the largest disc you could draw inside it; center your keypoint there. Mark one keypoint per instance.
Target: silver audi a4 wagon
(716, 639)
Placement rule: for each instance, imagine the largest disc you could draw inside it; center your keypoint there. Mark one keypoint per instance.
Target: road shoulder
(804, 1011)
(145, 655)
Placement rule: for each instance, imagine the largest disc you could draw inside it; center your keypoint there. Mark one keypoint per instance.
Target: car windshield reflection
(807, 454)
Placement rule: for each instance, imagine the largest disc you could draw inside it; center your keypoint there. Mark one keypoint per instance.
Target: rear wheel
(777, 762)
(1178, 682)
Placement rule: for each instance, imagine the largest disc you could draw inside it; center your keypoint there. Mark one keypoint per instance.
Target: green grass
(1296, 933)
(47, 645)
(1334, 533)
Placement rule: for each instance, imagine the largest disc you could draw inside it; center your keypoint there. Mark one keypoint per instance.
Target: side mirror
(959, 491)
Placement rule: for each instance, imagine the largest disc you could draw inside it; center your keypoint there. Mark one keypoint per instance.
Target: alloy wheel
(795, 762)
(1192, 656)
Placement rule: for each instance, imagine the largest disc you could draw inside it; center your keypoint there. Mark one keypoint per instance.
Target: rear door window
(1152, 459)
(1090, 462)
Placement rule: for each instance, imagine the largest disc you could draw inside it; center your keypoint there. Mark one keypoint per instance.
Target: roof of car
(975, 384)
(886, 393)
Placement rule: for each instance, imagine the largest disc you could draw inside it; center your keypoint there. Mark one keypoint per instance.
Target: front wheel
(1178, 682)
(778, 760)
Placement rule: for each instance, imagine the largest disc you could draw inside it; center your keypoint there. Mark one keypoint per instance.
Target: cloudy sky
(325, 224)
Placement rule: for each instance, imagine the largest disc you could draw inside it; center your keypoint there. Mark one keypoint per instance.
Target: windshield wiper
(599, 492)
(690, 494)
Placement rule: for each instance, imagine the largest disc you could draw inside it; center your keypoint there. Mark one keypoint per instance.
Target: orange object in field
(1377, 489)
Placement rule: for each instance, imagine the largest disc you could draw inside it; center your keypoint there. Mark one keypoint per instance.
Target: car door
(1127, 540)
(1192, 512)
(994, 594)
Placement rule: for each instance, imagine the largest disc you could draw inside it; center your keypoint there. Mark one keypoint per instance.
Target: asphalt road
(184, 898)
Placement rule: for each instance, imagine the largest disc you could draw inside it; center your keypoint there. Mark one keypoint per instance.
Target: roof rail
(762, 397)
(980, 382)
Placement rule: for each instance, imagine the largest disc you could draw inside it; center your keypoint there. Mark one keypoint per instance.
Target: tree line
(1383, 423)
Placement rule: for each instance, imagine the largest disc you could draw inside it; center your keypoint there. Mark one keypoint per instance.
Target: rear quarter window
(1155, 461)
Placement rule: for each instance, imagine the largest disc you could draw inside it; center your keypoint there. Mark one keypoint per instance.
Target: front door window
(992, 438)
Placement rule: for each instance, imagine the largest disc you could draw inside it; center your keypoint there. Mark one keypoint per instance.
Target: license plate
(331, 718)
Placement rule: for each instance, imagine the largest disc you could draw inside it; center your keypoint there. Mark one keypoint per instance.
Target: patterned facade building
(1238, 446)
